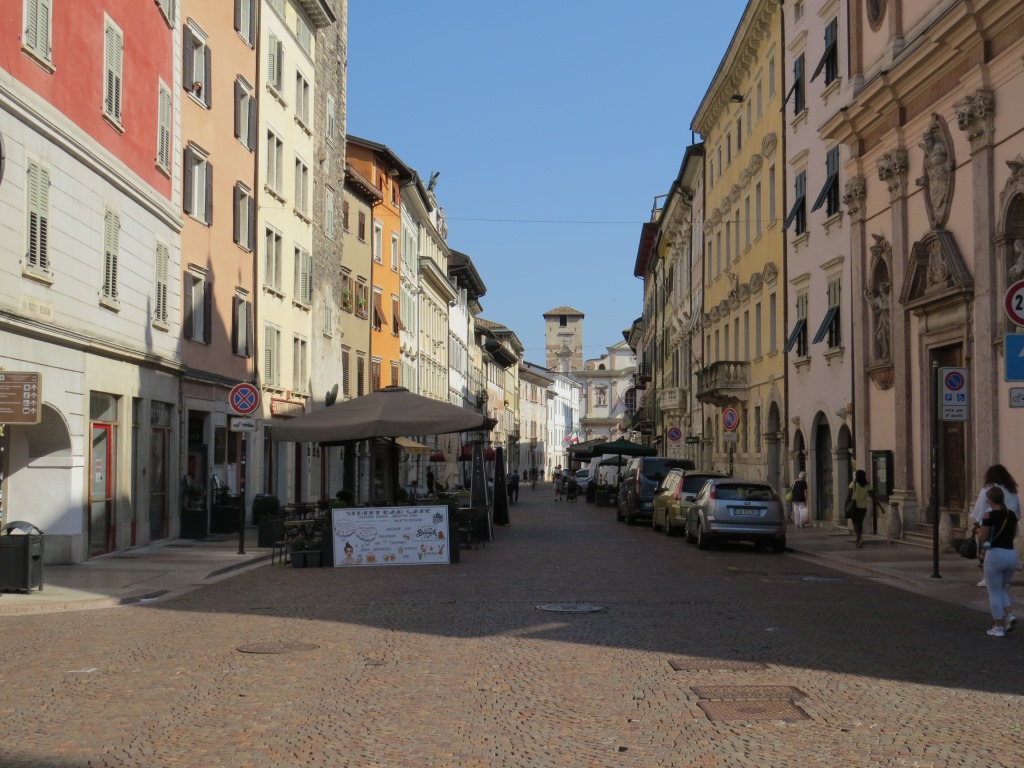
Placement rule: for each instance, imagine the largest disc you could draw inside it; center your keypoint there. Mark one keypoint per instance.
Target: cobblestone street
(729, 657)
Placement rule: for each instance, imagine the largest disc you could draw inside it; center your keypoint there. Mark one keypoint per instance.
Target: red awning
(438, 457)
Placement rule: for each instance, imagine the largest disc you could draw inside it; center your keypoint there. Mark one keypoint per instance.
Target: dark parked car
(737, 510)
(675, 496)
(640, 480)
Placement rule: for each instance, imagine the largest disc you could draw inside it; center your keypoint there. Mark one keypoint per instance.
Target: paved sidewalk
(167, 569)
(144, 574)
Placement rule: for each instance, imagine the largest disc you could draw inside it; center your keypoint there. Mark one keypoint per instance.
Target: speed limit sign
(1014, 302)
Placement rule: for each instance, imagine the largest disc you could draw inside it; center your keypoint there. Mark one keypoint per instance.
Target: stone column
(975, 115)
(892, 169)
(859, 322)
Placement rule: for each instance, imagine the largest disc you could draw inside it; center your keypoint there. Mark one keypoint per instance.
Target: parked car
(640, 480)
(582, 478)
(737, 510)
(675, 496)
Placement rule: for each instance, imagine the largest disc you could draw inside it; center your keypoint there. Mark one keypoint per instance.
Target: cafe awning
(411, 446)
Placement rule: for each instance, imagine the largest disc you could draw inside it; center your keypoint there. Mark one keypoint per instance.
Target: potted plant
(602, 495)
(306, 552)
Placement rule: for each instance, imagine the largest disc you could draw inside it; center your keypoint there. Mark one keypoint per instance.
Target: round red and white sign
(244, 399)
(1014, 302)
(730, 419)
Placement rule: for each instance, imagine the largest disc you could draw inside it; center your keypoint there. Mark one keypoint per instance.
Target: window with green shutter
(163, 261)
(111, 247)
(37, 259)
(37, 37)
(163, 129)
(113, 47)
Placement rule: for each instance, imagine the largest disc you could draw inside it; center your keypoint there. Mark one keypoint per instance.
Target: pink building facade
(935, 194)
(89, 253)
(819, 350)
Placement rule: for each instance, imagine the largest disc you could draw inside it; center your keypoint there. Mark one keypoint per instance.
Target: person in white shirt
(996, 475)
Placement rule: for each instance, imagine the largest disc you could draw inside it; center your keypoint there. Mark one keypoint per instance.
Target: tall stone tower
(563, 339)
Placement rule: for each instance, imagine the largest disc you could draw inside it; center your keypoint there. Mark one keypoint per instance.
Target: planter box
(306, 559)
(601, 498)
(194, 524)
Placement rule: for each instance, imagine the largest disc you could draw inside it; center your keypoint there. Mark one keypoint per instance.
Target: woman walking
(995, 476)
(862, 496)
(799, 494)
(996, 533)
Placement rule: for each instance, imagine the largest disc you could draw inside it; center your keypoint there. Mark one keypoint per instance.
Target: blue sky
(553, 125)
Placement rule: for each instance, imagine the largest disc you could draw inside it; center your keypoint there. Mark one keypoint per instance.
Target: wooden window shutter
(252, 122)
(163, 258)
(207, 78)
(111, 243)
(188, 288)
(248, 329)
(209, 193)
(238, 16)
(186, 180)
(207, 311)
(251, 213)
(163, 143)
(237, 222)
(38, 217)
(112, 96)
(239, 105)
(188, 63)
(268, 355)
(237, 305)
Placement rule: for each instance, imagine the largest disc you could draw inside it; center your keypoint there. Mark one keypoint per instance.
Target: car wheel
(629, 516)
(654, 522)
(703, 541)
(688, 532)
(669, 530)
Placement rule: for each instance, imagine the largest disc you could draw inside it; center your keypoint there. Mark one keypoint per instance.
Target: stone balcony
(673, 398)
(724, 383)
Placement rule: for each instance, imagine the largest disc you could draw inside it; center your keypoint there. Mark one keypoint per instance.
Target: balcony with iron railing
(724, 383)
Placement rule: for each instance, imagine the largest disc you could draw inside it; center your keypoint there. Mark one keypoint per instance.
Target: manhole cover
(277, 647)
(752, 710)
(748, 692)
(698, 663)
(570, 607)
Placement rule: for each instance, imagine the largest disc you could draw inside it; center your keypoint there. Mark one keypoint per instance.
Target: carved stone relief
(879, 296)
(938, 178)
(975, 116)
(853, 197)
(892, 169)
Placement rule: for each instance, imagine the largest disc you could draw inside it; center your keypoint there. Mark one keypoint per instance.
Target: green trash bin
(21, 557)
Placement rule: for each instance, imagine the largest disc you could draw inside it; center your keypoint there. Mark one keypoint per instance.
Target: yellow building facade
(741, 376)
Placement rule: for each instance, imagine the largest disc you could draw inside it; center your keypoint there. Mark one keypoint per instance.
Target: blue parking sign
(1013, 351)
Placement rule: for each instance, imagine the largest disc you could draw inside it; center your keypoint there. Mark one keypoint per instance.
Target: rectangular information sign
(21, 398)
(953, 400)
(414, 535)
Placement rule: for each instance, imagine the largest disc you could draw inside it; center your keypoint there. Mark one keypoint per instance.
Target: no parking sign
(244, 399)
(953, 394)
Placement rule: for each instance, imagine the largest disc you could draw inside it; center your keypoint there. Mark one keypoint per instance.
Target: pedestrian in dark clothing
(513, 487)
(862, 497)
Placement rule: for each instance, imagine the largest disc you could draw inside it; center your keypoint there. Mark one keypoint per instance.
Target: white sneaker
(997, 632)
(981, 583)
(1011, 623)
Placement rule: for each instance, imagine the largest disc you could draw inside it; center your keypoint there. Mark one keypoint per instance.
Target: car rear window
(734, 492)
(694, 483)
(656, 469)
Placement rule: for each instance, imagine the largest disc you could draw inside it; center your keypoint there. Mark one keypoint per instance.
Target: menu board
(390, 535)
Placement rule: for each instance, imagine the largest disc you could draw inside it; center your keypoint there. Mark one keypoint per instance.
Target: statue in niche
(1017, 270)
(878, 298)
(938, 172)
(937, 269)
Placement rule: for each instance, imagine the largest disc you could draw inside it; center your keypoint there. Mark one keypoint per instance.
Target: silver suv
(737, 510)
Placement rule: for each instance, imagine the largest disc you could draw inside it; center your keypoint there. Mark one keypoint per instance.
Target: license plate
(745, 511)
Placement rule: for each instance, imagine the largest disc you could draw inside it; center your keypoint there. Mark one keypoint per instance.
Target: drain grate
(570, 607)
(700, 664)
(283, 647)
(748, 692)
(752, 710)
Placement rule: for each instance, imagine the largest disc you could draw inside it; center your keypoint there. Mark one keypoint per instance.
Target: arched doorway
(824, 484)
(771, 434)
(799, 453)
(844, 467)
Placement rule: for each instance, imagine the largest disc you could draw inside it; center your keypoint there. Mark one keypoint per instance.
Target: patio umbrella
(620, 448)
(391, 412)
(388, 412)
